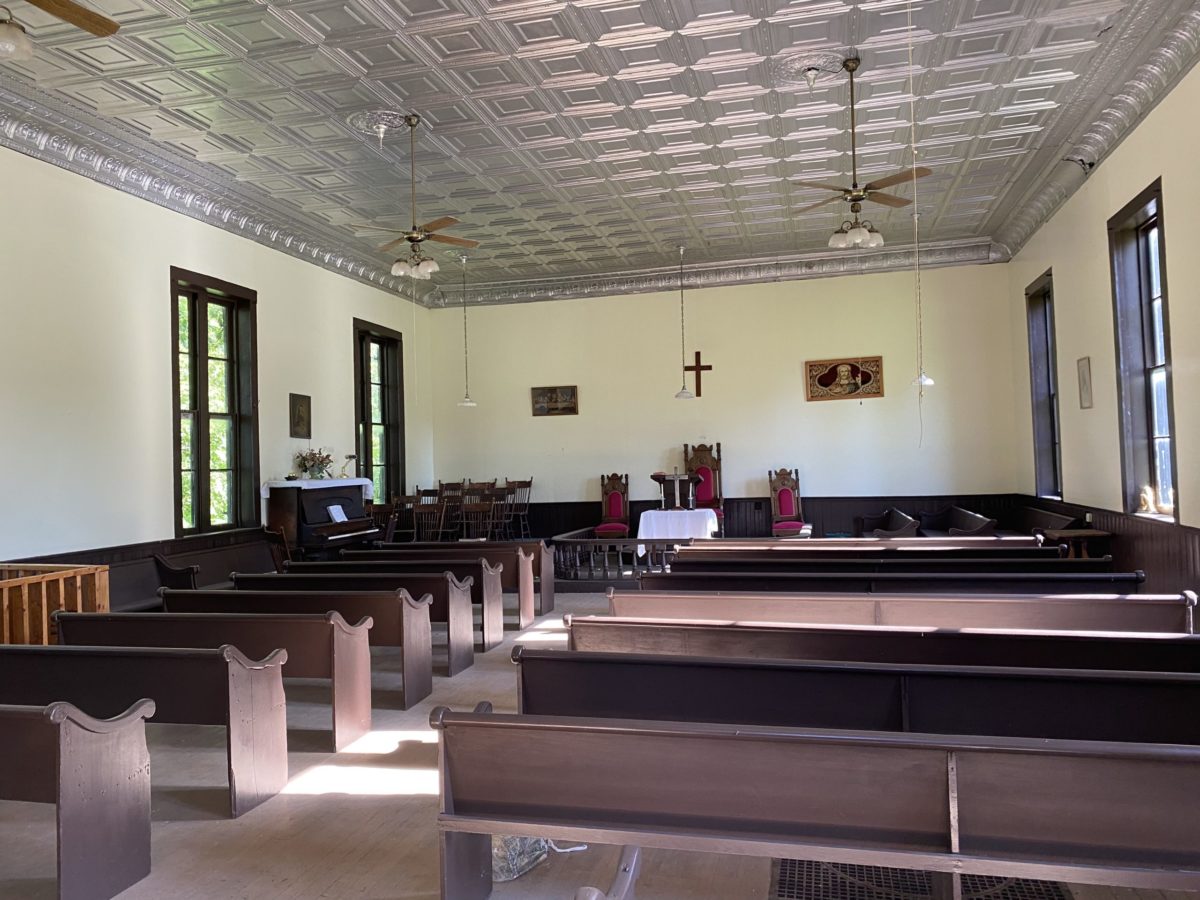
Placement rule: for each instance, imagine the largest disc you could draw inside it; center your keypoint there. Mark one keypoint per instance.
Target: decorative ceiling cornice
(1150, 82)
(797, 267)
(34, 129)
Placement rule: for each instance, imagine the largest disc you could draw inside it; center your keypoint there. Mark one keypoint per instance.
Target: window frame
(1129, 267)
(393, 405)
(246, 508)
(1044, 387)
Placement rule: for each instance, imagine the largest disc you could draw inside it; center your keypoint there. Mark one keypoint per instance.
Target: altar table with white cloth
(657, 524)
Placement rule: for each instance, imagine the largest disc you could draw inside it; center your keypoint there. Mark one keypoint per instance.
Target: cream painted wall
(623, 353)
(1074, 243)
(85, 384)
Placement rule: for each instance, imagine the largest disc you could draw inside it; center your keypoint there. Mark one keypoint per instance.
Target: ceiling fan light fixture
(874, 238)
(427, 267)
(401, 268)
(14, 42)
(857, 236)
(838, 240)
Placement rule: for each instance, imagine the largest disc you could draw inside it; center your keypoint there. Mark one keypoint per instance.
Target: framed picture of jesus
(852, 378)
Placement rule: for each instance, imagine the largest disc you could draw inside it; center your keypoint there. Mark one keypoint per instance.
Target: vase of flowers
(314, 463)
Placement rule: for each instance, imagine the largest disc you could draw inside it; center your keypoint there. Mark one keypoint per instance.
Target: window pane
(218, 329)
(377, 403)
(376, 363)
(220, 443)
(185, 381)
(185, 328)
(379, 477)
(378, 447)
(1158, 339)
(185, 442)
(1152, 262)
(219, 498)
(1164, 478)
(188, 511)
(1160, 417)
(218, 386)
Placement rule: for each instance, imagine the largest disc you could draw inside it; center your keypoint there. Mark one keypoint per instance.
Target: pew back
(908, 562)
(543, 561)
(1071, 612)
(898, 582)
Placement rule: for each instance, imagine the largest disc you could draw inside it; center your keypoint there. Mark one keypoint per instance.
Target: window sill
(1155, 517)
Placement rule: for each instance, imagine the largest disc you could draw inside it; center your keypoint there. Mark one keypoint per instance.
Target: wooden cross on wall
(698, 369)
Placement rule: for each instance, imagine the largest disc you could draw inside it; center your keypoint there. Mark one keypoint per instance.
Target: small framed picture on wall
(1084, 367)
(300, 416)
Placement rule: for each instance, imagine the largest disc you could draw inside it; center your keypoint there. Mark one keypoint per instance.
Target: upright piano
(307, 514)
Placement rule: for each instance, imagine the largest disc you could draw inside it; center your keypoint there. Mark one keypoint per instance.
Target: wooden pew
(919, 548)
(898, 582)
(1116, 650)
(487, 592)
(189, 687)
(450, 600)
(543, 560)
(1081, 612)
(397, 621)
(1098, 812)
(990, 543)
(516, 567)
(317, 645)
(911, 562)
(97, 773)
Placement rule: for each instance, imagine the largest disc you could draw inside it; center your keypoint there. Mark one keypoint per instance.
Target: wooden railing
(582, 556)
(29, 594)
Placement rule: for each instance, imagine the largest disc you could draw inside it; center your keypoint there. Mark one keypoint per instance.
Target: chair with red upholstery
(787, 520)
(614, 499)
(704, 461)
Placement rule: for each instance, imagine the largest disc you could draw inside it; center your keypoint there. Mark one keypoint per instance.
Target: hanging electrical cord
(922, 380)
(684, 393)
(466, 400)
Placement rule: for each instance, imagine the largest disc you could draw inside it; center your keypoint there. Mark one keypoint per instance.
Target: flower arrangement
(314, 463)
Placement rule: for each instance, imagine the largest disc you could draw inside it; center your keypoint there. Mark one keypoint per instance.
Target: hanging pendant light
(922, 380)
(466, 401)
(14, 42)
(683, 393)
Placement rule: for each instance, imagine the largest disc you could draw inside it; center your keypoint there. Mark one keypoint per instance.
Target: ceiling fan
(15, 43)
(418, 265)
(862, 233)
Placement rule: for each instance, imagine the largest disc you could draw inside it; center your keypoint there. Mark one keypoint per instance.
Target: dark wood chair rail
(97, 773)
(516, 567)
(1170, 613)
(397, 621)
(318, 646)
(899, 582)
(487, 590)
(1060, 810)
(190, 687)
(450, 600)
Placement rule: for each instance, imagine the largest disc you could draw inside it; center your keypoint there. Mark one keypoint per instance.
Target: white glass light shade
(857, 236)
(838, 240)
(466, 401)
(427, 267)
(923, 380)
(401, 267)
(874, 238)
(684, 394)
(14, 42)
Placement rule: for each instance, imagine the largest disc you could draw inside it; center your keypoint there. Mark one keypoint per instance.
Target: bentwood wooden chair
(428, 518)
(787, 519)
(452, 518)
(429, 495)
(524, 490)
(280, 552)
(406, 526)
(477, 520)
(450, 488)
(704, 461)
(383, 517)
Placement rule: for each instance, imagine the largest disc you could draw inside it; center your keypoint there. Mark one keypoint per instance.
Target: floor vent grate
(798, 879)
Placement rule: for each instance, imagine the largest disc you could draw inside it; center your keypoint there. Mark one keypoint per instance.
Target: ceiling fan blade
(439, 224)
(815, 205)
(820, 186)
(79, 16)
(456, 241)
(392, 245)
(362, 225)
(898, 178)
(888, 199)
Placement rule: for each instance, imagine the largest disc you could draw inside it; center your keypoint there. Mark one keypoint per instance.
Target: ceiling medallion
(377, 122)
(806, 68)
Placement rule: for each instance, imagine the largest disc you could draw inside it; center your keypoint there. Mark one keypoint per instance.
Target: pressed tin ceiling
(583, 142)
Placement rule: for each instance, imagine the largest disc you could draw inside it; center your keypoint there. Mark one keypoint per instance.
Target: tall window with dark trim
(379, 401)
(1138, 244)
(215, 404)
(1043, 380)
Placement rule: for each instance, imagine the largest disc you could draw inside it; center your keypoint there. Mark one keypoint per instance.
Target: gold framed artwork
(855, 377)
(300, 416)
(555, 401)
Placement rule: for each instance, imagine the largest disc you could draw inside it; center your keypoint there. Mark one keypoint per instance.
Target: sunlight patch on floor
(364, 781)
(389, 741)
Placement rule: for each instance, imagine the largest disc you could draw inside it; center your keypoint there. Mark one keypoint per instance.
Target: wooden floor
(358, 824)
